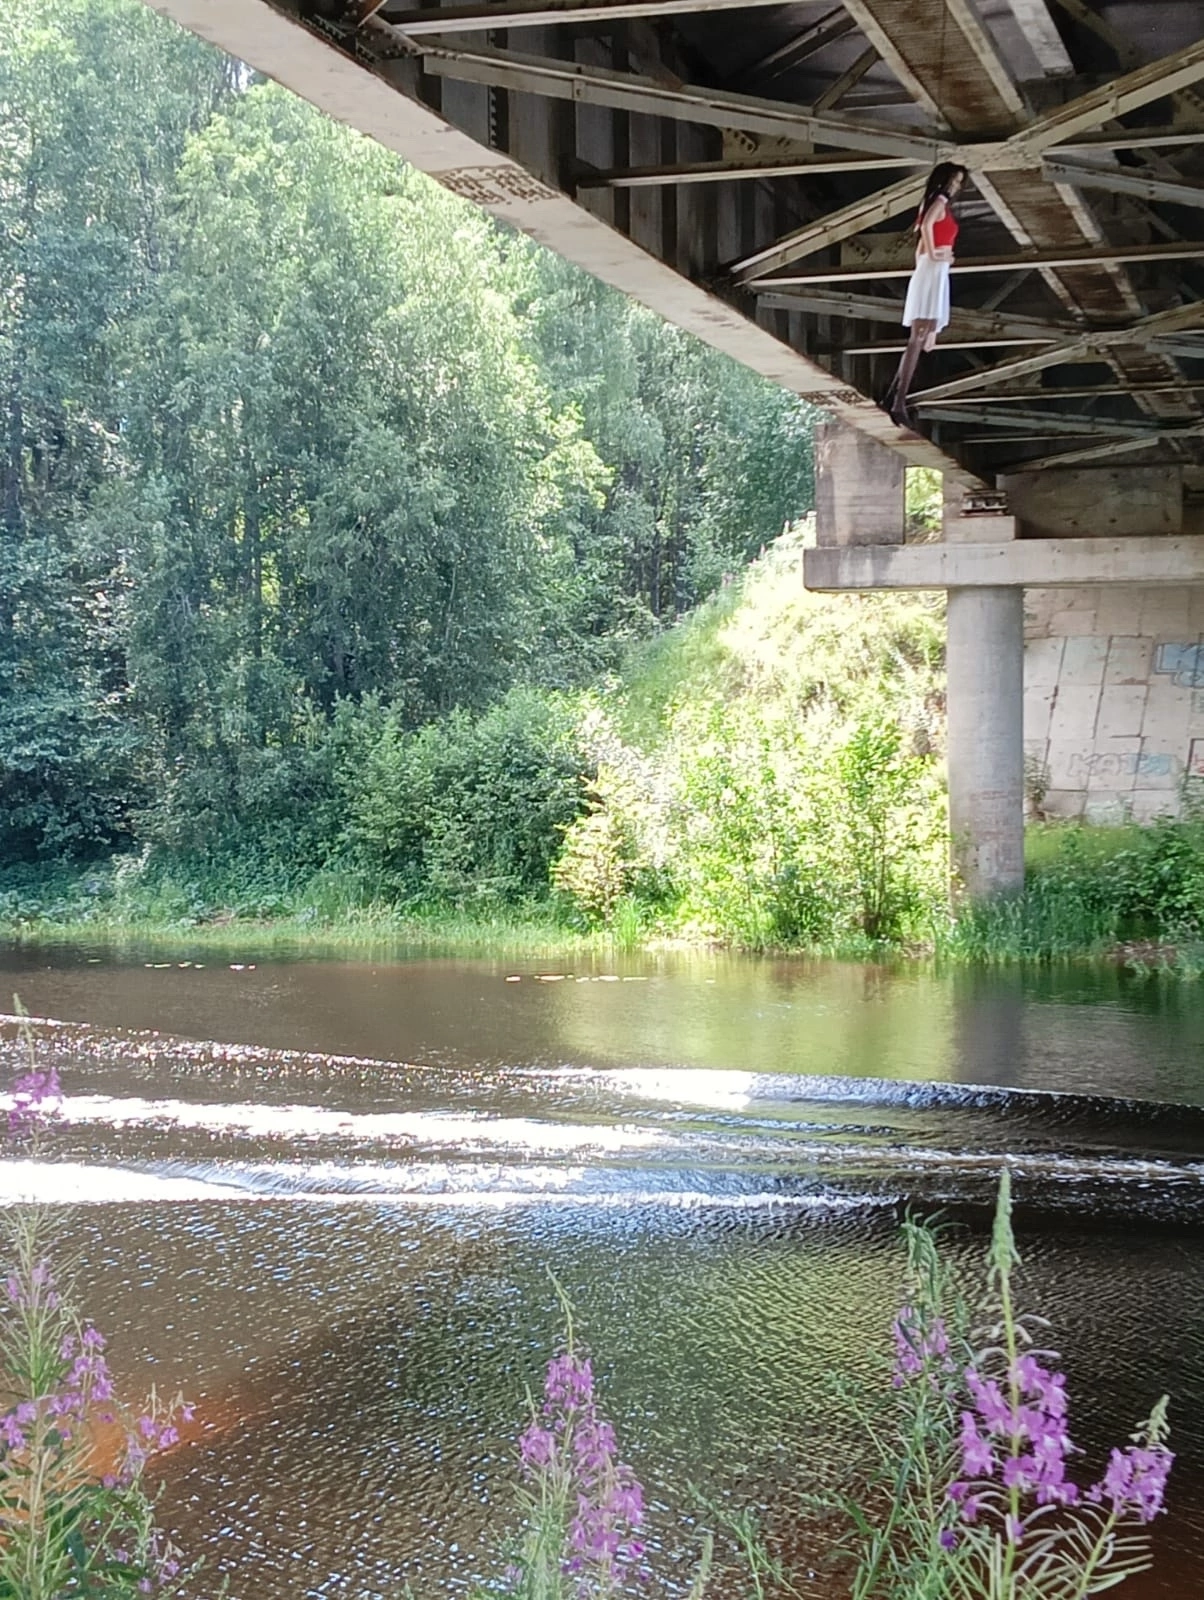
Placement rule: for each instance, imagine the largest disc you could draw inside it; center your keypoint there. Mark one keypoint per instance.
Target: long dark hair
(937, 187)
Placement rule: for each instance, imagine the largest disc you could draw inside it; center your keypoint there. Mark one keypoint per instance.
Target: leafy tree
(300, 453)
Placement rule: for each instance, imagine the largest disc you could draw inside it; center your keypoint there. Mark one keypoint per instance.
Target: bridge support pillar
(985, 713)
(985, 706)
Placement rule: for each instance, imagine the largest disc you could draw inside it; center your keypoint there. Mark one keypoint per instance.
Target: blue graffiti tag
(1183, 662)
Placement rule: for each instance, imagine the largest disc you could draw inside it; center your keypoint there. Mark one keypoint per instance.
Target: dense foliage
(301, 454)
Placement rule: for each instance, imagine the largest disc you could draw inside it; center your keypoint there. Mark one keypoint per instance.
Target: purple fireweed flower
(1038, 1420)
(573, 1451)
(568, 1381)
(1135, 1481)
(37, 1098)
(917, 1345)
(536, 1446)
(1019, 1425)
(978, 1460)
(1017, 1474)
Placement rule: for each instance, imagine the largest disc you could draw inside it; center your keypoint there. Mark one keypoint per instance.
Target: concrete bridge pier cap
(860, 517)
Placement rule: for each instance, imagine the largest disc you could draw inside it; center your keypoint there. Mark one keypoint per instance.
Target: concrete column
(858, 488)
(985, 703)
(984, 699)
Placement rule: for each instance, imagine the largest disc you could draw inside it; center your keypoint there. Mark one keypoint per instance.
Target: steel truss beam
(539, 13)
(836, 91)
(725, 171)
(715, 108)
(1022, 149)
(1158, 435)
(1031, 396)
(810, 41)
(810, 166)
(1093, 344)
(1114, 427)
(1034, 260)
(1123, 180)
(968, 322)
(959, 341)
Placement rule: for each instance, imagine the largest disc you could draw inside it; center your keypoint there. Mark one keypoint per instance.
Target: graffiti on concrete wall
(1182, 662)
(1085, 765)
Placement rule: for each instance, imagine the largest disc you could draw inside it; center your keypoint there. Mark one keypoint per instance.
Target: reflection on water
(1093, 1030)
(372, 1169)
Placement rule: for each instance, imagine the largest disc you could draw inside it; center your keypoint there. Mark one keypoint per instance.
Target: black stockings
(896, 396)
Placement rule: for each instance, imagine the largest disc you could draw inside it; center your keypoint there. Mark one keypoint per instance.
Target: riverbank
(1132, 896)
(83, 910)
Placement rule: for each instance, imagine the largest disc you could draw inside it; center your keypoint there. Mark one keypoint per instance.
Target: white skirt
(928, 294)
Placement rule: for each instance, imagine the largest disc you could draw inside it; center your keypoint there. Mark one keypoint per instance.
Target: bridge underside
(751, 169)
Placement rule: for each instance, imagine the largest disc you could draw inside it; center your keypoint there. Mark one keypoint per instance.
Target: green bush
(1089, 890)
(754, 831)
(470, 809)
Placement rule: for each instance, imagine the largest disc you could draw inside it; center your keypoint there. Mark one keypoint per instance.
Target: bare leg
(922, 337)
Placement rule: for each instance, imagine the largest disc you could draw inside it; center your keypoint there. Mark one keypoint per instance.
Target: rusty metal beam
(475, 17)
(1161, 434)
(1132, 90)
(1032, 260)
(1030, 396)
(967, 321)
(1082, 426)
(1095, 343)
(1134, 139)
(727, 171)
(982, 46)
(964, 341)
(716, 108)
(810, 166)
(807, 42)
(849, 78)
(1124, 180)
(832, 229)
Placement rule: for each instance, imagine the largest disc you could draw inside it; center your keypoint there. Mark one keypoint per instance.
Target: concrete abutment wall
(1080, 700)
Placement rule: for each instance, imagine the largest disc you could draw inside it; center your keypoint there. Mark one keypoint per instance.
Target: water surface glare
(323, 1198)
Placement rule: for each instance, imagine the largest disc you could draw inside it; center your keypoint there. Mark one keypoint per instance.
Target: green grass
(1123, 893)
(239, 910)
(1045, 842)
(447, 933)
(766, 639)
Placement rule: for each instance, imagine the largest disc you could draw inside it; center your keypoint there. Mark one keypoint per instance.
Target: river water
(323, 1198)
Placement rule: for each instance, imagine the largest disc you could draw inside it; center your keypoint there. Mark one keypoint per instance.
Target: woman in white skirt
(926, 310)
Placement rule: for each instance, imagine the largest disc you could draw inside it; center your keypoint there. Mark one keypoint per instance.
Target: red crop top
(944, 230)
